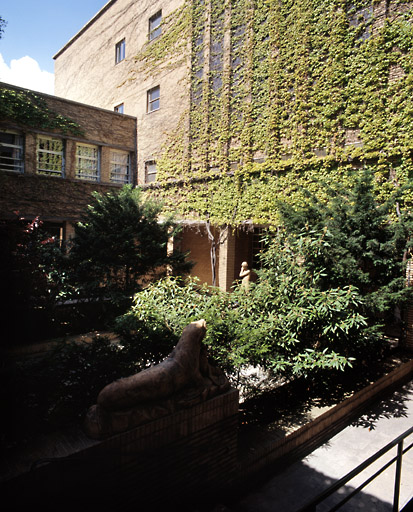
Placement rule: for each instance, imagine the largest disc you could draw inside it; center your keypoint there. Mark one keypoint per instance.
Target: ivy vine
(285, 95)
(29, 109)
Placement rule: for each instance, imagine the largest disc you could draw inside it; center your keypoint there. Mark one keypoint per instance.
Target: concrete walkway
(297, 484)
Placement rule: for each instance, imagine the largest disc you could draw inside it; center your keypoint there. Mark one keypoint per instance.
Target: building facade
(243, 103)
(50, 169)
(98, 67)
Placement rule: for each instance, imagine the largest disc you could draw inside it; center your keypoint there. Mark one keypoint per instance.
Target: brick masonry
(299, 441)
(63, 199)
(167, 461)
(172, 462)
(89, 57)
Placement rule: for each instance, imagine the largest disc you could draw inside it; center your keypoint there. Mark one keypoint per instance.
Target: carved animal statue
(183, 379)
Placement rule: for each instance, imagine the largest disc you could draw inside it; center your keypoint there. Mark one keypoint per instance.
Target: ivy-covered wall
(286, 94)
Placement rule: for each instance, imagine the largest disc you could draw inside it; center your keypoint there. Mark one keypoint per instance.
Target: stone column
(226, 262)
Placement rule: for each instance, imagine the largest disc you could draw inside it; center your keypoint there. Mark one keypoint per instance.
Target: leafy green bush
(368, 244)
(164, 308)
(286, 323)
(56, 391)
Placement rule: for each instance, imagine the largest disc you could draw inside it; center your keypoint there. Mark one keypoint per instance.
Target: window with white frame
(155, 28)
(119, 108)
(50, 156)
(120, 51)
(150, 171)
(11, 151)
(119, 167)
(154, 98)
(87, 162)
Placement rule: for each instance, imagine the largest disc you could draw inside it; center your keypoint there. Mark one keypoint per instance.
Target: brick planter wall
(300, 441)
(181, 459)
(155, 466)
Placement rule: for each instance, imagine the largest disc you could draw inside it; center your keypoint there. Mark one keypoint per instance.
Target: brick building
(102, 53)
(238, 104)
(49, 173)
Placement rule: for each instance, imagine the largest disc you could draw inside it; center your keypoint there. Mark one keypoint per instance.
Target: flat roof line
(5, 85)
(85, 27)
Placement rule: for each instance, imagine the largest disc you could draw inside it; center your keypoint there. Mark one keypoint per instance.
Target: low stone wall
(299, 442)
(167, 461)
(186, 457)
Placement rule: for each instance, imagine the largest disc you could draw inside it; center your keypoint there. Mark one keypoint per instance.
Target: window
(258, 246)
(153, 99)
(150, 171)
(50, 159)
(119, 167)
(87, 162)
(11, 151)
(119, 108)
(155, 28)
(120, 51)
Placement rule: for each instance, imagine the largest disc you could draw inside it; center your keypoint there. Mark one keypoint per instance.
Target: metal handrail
(398, 441)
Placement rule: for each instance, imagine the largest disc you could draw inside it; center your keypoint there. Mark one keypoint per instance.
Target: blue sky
(35, 31)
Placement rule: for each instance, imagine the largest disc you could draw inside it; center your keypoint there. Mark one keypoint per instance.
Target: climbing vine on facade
(285, 95)
(30, 109)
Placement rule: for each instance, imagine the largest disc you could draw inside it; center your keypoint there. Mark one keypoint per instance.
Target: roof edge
(6, 85)
(84, 28)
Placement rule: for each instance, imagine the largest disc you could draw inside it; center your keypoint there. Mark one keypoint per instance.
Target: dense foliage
(29, 109)
(286, 323)
(32, 276)
(331, 279)
(121, 244)
(368, 243)
(284, 94)
(42, 394)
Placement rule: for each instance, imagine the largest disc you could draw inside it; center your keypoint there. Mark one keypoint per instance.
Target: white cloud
(26, 72)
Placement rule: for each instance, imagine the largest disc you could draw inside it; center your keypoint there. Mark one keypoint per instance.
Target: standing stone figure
(245, 275)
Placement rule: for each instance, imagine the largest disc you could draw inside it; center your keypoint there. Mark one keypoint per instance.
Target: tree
(32, 274)
(3, 24)
(331, 276)
(285, 323)
(367, 244)
(121, 244)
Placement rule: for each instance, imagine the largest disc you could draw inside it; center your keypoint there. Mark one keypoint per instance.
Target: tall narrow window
(154, 96)
(11, 151)
(119, 167)
(87, 162)
(150, 171)
(120, 51)
(155, 28)
(258, 246)
(50, 159)
(119, 108)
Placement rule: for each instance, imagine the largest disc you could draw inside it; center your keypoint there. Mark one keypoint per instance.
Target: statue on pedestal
(182, 380)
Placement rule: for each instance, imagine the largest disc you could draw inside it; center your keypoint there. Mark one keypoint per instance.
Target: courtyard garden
(322, 320)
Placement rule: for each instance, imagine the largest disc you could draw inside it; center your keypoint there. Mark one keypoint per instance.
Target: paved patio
(292, 488)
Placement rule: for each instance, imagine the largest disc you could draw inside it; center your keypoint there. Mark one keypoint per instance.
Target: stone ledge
(296, 442)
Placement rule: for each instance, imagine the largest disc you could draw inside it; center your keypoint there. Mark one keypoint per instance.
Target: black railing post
(398, 477)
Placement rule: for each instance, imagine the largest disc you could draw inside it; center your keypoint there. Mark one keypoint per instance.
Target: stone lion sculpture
(183, 379)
